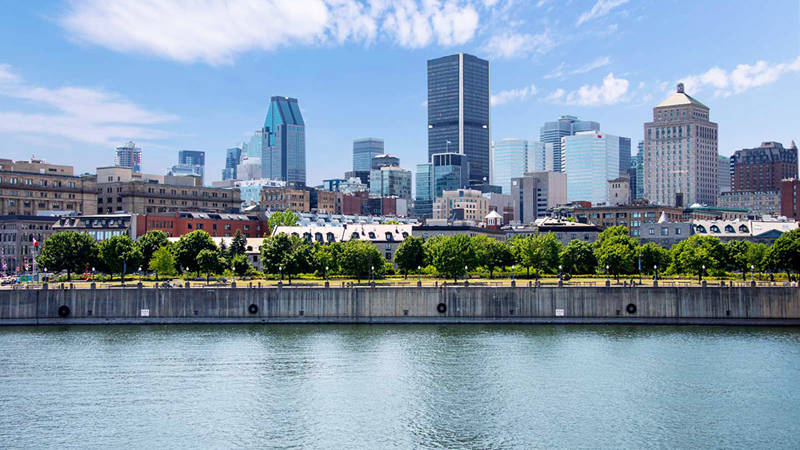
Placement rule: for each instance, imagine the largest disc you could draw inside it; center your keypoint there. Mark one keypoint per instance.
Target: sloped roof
(680, 98)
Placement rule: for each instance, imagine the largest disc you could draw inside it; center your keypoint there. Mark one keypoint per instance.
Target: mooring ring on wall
(442, 308)
(631, 308)
(63, 311)
(253, 308)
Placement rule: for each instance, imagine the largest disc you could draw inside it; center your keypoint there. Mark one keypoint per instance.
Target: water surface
(399, 386)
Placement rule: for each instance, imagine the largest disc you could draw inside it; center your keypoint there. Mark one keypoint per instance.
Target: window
(714, 229)
(651, 231)
(729, 229)
(664, 231)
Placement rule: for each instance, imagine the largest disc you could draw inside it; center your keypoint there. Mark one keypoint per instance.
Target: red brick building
(790, 198)
(762, 168)
(215, 224)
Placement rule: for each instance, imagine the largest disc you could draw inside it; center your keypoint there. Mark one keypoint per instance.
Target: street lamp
(372, 274)
(560, 273)
(753, 274)
(466, 273)
(700, 275)
(607, 272)
(326, 274)
(419, 275)
(513, 269)
(280, 271)
(655, 273)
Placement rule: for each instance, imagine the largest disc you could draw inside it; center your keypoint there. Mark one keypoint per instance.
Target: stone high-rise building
(762, 168)
(680, 157)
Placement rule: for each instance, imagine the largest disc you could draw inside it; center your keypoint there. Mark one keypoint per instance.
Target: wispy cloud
(510, 95)
(611, 91)
(216, 31)
(561, 71)
(515, 45)
(742, 78)
(600, 9)
(81, 114)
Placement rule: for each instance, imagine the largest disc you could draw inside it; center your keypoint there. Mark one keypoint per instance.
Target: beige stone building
(28, 187)
(473, 204)
(680, 153)
(619, 191)
(283, 198)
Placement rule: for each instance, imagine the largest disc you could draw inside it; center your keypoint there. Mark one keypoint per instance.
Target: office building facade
(513, 158)
(591, 159)
(35, 187)
(364, 150)
(534, 193)
(550, 135)
(790, 199)
(458, 111)
(724, 174)
(757, 203)
(284, 157)
(390, 181)
(233, 156)
(450, 172)
(461, 204)
(423, 199)
(681, 158)
(762, 168)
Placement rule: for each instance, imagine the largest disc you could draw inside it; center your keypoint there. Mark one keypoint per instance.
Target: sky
(80, 77)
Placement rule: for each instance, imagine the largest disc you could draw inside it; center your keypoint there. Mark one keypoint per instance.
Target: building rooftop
(680, 98)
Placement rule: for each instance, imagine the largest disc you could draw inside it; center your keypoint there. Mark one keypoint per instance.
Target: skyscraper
(458, 111)
(550, 135)
(638, 164)
(423, 200)
(724, 174)
(190, 162)
(591, 159)
(681, 159)
(450, 172)
(364, 150)
(284, 156)
(233, 156)
(513, 158)
(130, 156)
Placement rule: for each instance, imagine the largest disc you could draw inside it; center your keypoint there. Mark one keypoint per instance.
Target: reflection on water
(399, 386)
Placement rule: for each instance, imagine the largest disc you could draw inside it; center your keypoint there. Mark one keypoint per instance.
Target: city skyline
(101, 92)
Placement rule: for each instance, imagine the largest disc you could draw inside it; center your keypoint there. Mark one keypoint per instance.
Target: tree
(288, 255)
(691, 255)
(785, 253)
(149, 243)
(540, 252)
(737, 256)
(450, 254)
(162, 262)
(189, 246)
(208, 261)
(326, 256)
(410, 255)
(282, 218)
(652, 254)
(755, 255)
(616, 251)
(578, 258)
(238, 245)
(360, 259)
(120, 255)
(68, 251)
(491, 253)
(240, 264)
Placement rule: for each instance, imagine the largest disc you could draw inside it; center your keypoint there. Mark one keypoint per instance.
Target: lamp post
(640, 266)
(513, 280)
(752, 275)
(655, 274)
(372, 275)
(700, 275)
(326, 275)
(560, 275)
(280, 271)
(419, 275)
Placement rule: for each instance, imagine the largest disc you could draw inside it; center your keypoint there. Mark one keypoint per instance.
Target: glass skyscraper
(450, 172)
(591, 159)
(458, 111)
(423, 202)
(552, 132)
(512, 158)
(190, 162)
(233, 156)
(364, 150)
(284, 156)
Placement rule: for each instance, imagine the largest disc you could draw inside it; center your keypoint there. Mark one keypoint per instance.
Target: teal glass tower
(284, 155)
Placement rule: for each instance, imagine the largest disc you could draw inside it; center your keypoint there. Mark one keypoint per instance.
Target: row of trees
(615, 253)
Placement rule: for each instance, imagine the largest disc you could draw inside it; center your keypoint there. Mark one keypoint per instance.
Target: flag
(35, 242)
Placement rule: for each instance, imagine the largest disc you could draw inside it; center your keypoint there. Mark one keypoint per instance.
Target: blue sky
(80, 77)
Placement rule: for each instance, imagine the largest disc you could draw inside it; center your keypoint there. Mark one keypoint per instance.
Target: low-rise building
(632, 217)
(564, 230)
(384, 236)
(535, 193)
(216, 224)
(30, 187)
(433, 228)
(18, 238)
(790, 200)
(283, 198)
(757, 203)
(99, 226)
(465, 204)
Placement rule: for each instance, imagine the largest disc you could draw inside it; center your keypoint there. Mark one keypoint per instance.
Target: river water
(399, 387)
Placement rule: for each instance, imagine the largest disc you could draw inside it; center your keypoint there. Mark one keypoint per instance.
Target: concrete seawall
(663, 305)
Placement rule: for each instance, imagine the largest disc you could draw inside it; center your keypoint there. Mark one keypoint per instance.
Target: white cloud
(596, 64)
(600, 9)
(610, 92)
(503, 97)
(513, 45)
(81, 114)
(740, 79)
(555, 96)
(216, 31)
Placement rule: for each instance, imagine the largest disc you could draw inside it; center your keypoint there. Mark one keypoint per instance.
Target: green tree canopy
(326, 255)
(189, 246)
(359, 257)
(737, 256)
(539, 252)
(289, 255)
(410, 255)
(652, 254)
(450, 254)
(238, 244)
(282, 218)
(208, 261)
(616, 251)
(149, 243)
(578, 258)
(162, 262)
(689, 256)
(240, 265)
(784, 254)
(68, 251)
(491, 253)
(120, 255)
